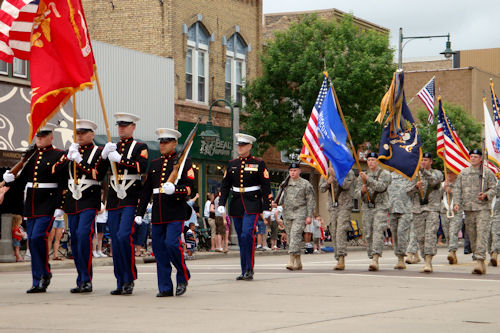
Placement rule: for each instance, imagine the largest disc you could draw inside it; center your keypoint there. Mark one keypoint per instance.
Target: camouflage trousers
(400, 228)
(495, 233)
(477, 226)
(451, 227)
(374, 225)
(426, 227)
(294, 229)
(339, 220)
(412, 242)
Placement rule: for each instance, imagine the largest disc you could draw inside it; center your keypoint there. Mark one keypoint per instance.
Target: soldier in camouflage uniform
(400, 216)
(375, 207)
(427, 219)
(473, 192)
(495, 229)
(450, 221)
(339, 209)
(416, 195)
(298, 207)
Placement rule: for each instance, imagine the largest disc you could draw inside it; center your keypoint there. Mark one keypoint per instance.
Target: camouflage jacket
(377, 183)
(399, 194)
(343, 193)
(432, 194)
(468, 186)
(416, 195)
(298, 199)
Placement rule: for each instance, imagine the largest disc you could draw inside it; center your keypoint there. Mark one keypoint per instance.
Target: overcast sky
(472, 24)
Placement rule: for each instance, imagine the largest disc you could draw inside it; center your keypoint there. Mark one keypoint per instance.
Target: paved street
(315, 299)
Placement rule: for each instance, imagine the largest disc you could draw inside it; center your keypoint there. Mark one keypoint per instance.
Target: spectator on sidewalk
(140, 236)
(191, 241)
(261, 235)
(220, 229)
(55, 236)
(318, 234)
(18, 234)
(273, 223)
(227, 226)
(100, 222)
(194, 214)
(210, 219)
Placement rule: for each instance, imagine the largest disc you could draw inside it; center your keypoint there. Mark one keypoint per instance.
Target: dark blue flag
(332, 137)
(400, 146)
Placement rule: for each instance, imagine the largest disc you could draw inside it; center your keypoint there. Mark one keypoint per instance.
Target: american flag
(449, 146)
(311, 152)
(426, 95)
(496, 108)
(16, 23)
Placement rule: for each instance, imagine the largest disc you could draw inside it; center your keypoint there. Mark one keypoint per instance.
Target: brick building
(463, 80)
(215, 47)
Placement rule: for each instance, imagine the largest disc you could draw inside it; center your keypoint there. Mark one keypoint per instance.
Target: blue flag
(332, 138)
(400, 146)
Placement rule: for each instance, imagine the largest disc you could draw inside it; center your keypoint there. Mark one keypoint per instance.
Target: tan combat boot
(290, 262)
(374, 264)
(340, 264)
(416, 258)
(493, 260)
(452, 257)
(428, 264)
(298, 264)
(410, 258)
(479, 267)
(401, 262)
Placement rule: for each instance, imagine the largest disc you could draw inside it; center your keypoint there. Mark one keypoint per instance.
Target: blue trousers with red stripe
(38, 230)
(167, 248)
(81, 226)
(121, 225)
(245, 229)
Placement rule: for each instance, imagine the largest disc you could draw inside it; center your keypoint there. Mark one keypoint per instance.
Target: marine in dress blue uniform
(247, 180)
(83, 199)
(169, 212)
(131, 158)
(41, 177)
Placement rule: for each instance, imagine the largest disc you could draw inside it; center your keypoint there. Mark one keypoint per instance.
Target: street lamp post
(447, 52)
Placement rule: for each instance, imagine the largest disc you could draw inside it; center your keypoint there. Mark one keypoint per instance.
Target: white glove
(168, 188)
(221, 210)
(73, 148)
(8, 177)
(266, 214)
(108, 148)
(58, 212)
(138, 220)
(115, 156)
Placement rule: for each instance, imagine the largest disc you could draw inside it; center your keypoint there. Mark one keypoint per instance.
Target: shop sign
(218, 149)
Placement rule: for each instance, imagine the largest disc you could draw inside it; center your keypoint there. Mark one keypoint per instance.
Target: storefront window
(215, 173)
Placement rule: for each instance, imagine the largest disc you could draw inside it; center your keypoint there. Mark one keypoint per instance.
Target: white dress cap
(126, 117)
(85, 124)
(167, 133)
(245, 138)
(49, 127)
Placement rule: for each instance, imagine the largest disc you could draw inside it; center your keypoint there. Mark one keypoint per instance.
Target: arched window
(236, 55)
(197, 63)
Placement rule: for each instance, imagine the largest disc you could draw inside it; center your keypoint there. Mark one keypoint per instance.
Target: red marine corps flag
(61, 61)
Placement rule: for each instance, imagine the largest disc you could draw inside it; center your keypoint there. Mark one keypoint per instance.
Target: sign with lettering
(218, 149)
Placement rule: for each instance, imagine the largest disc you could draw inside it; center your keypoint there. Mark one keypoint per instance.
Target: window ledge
(24, 82)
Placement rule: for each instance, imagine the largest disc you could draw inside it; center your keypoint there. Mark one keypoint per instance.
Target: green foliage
(359, 62)
(467, 128)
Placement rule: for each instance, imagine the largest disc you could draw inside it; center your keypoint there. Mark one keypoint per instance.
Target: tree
(468, 129)
(359, 63)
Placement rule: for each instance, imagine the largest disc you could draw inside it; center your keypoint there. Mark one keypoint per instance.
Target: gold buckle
(120, 177)
(160, 189)
(242, 189)
(35, 185)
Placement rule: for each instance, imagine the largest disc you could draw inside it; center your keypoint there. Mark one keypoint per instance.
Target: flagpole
(331, 185)
(75, 178)
(449, 210)
(348, 134)
(103, 108)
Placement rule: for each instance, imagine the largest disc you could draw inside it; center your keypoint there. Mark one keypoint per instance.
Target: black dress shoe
(36, 290)
(248, 275)
(181, 288)
(117, 291)
(86, 287)
(165, 293)
(128, 288)
(76, 290)
(240, 277)
(45, 281)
